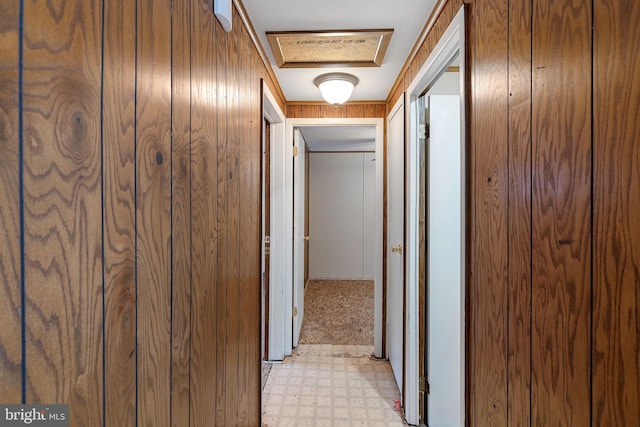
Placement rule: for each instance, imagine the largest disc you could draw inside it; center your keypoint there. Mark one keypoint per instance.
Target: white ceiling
(340, 138)
(405, 17)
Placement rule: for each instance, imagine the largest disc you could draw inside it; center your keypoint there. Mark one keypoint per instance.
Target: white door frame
(291, 124)
(281, 235)
(451, 44)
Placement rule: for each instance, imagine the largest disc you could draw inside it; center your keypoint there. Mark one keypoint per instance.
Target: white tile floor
(327, 385)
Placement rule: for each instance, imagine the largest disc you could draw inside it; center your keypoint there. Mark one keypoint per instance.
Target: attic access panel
(316, 49)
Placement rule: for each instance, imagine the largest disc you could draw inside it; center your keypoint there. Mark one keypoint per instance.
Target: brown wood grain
(62, 211)
(10, 275)
(561, 213)
(205, 162)
(222, 332)
(519, 231)
(153, 164)
(254, 364)
(232, 230)
(347, 110)
(175, 196)
(246, 283)
(489, 182)
(119, 210)
(258, 50)
(181, 222)
(616, 202)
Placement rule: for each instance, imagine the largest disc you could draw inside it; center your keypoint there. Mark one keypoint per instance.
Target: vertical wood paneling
(247, 191)
(530, 165)
(561, 213)
(519, 231)
(233, 213)
(222, 333)
(63, 193)
(10, 277)
(488, 289)
(142, 211)
(616, 234)
(181, 221)
(118, 130)
(204, 356)
(153, 160)
(255, 368)
(252, 290)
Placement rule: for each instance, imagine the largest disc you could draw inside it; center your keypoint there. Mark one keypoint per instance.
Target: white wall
(342, 215)
(447, 84)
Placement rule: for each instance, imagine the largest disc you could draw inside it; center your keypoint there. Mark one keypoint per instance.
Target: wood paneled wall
(130, 212)
(554, 186)
(323, 110)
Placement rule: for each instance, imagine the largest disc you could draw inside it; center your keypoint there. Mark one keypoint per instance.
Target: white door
(445, 269)
(395, 241)
(298, 234)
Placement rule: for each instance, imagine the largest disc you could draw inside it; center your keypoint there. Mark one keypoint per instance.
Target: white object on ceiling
(223, 11)
(406, 17)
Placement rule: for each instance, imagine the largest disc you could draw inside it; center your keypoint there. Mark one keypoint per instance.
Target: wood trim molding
(256, 41)
(416, 47)
(324, 103)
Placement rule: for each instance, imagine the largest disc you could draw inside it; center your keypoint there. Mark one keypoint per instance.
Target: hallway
(331, 385)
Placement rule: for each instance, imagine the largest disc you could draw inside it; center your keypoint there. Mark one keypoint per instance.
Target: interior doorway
(293, 125)
(436, 234)
(339, 295)
(284, 395)
(287, 242)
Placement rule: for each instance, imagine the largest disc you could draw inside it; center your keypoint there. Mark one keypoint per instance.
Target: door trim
(278, 244)
(291, 124)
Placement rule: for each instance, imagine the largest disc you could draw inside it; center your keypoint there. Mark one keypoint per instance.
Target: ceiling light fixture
(336, 88)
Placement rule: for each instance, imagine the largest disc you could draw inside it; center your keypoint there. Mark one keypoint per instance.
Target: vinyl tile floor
(331, 385)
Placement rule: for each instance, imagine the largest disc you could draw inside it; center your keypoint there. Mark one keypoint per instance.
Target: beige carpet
(338, 312)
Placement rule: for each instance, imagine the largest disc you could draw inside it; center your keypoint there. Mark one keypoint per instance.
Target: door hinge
(422, 131)
(295, 311)
(423, 385)
(295, 151)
